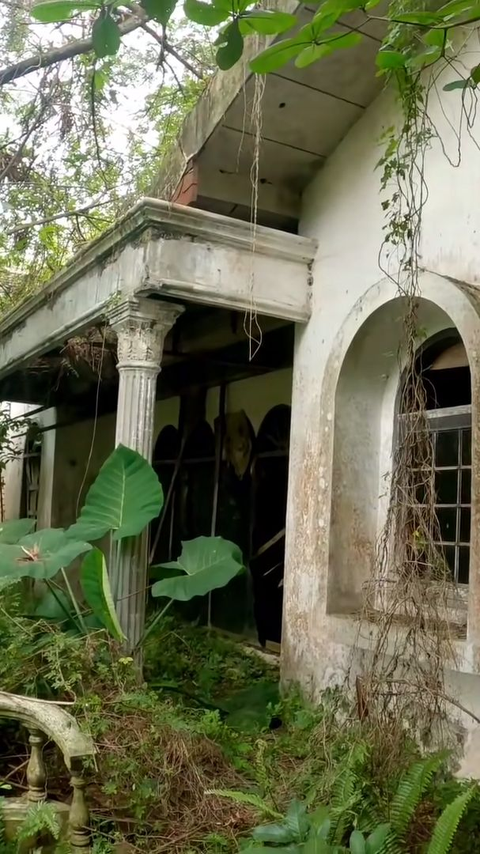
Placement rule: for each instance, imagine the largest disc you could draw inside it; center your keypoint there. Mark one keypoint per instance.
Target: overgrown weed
(166, 743)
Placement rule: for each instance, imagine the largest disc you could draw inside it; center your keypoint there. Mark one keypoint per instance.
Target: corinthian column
(141, 326)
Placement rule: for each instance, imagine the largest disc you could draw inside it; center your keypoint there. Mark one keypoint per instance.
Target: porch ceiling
(305, 114)
(163, 251)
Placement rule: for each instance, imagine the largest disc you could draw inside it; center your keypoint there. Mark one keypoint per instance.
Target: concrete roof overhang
(163, 251)
(305, 114)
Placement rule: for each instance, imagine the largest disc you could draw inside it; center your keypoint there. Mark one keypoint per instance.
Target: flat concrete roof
(305, 114)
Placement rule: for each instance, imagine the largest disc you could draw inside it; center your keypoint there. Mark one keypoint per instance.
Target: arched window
(443, 367)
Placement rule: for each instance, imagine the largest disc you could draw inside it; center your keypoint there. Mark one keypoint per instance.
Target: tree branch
(185, 62)
(52, 57)
(166, 47)
(65, 214)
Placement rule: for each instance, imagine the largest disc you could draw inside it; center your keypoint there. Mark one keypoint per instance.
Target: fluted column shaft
(141, 326)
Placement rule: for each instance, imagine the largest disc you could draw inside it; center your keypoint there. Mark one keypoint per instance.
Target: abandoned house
(186, 326)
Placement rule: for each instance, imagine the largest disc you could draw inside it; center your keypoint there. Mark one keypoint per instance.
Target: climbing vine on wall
(411, 592)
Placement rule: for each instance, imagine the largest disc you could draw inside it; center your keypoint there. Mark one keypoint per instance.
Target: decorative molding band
(191, 292)
(176, 221)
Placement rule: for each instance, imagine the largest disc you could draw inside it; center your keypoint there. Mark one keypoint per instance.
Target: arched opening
(365, 421)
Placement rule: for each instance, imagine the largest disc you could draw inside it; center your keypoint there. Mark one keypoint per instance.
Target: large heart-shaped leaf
(40, 555)
(98, 594)
(13, 531)
(206, 563)
(55, 606)
(124, 498)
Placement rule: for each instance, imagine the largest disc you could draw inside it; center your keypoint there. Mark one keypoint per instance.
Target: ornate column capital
(142, 325)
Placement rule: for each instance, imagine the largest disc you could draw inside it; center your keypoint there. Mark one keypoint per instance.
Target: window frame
(438, 421)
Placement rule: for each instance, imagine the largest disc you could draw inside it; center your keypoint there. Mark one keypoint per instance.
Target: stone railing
(46, 721)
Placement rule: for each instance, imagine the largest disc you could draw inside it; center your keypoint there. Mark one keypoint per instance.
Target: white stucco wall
(346, 376)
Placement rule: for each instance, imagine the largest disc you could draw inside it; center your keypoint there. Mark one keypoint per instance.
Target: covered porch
(172, 334)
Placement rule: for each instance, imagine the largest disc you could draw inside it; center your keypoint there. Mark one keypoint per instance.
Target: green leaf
(411, 787)
(204, 13)
(13, 531)
(296, 819)
(455, 84)
(455, 13)
(160, 10)
(357, 842)
(124, 498)
(388, 59)
(425, 57)
(206, 564)
(278, 833)
(421, 18)
(159, 573)
(98, 594)
(231, 51)
(314, 52)
(319, 817)
(277, 55)
(55, 607)
(282, 849)
(316, 845)
(456, 7)
(475, 74)
(265, 21)
(377, 838)
(435, 37)
(40, 555)
(106, 36)
(51, 11)
(322, 20)
(447, 824)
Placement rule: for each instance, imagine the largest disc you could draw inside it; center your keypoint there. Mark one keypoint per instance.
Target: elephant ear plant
(121, 502)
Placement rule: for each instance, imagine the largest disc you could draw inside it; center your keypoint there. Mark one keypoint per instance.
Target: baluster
(36, 772)
(79, 819)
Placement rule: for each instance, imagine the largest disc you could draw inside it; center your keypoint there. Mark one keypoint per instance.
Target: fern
(248, 798)
(40, 819)
(448, 822)
(346, 791)
(410, 790)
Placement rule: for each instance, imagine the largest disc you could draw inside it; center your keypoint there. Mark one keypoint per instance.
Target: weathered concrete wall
(346, 377)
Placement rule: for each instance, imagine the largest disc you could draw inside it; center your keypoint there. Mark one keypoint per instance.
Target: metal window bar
(456, 420)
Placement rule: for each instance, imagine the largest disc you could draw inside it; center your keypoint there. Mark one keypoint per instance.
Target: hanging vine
(410, 596)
